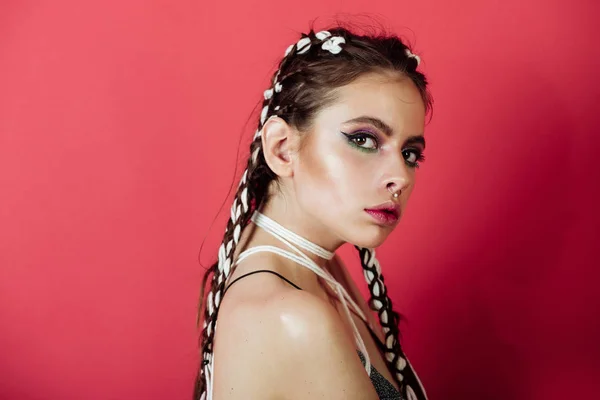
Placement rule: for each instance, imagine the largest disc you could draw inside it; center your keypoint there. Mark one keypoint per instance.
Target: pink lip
(386, 214)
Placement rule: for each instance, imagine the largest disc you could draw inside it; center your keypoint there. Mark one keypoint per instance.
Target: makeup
(369, 142)
(386, 214)
(363, 140)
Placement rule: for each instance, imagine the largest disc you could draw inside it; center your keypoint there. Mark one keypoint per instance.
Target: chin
(370, 237)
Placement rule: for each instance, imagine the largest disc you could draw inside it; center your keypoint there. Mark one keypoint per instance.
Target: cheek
(328, 179)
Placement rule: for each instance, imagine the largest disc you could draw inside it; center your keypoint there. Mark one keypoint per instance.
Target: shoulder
(277, 311)
(290, 344)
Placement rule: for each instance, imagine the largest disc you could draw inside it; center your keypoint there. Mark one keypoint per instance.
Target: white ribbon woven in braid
(269, 92)
(411, 393)
(224, 267)
(373, 279)
(303, 45)
(333, 44)
(330, 43)
(371, 261)
(322, 35)
(263, 114)
(410, 390)
(411, 55)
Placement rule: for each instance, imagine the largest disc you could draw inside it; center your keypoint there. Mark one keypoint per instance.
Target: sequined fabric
(385, 390)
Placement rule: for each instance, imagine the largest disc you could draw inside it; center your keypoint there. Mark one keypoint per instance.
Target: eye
(363, 141)
(413, 156)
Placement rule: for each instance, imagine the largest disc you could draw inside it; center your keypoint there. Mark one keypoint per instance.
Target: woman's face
(346, 167)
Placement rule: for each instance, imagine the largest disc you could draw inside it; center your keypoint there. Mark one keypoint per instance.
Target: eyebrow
(385, 128)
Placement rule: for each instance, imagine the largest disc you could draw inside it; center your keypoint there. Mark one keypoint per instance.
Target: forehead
(394, 99)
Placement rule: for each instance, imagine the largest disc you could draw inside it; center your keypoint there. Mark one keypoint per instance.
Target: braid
(250, 194)
(296, 107)
(247, 195)
(240, 215)
(389, 319)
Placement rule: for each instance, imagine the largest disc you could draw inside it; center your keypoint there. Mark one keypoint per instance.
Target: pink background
(119, 124)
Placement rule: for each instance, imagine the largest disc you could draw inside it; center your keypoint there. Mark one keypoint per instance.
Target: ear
(279, 143)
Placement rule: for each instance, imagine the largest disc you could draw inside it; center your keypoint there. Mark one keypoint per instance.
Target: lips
(386, 214)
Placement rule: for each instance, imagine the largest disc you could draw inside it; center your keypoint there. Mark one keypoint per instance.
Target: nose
(399, 179)
(395, 189)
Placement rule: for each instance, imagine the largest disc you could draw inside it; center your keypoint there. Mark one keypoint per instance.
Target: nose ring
(395, 195)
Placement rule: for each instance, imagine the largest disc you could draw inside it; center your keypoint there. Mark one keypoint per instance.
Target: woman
(333, 161)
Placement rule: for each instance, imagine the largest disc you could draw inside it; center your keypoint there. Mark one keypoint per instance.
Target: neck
(302, 225)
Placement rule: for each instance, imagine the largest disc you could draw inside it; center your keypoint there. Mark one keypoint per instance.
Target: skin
(277, 342)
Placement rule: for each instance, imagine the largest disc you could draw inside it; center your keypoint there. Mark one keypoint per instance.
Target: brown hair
(302, 85)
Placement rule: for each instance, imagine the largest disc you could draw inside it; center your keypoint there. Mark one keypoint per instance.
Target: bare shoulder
(284, 343)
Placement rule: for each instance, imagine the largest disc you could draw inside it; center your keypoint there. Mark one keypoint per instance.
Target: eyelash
(364, 135)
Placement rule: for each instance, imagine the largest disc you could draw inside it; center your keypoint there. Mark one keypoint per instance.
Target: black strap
(378, 341)
(262, 270)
